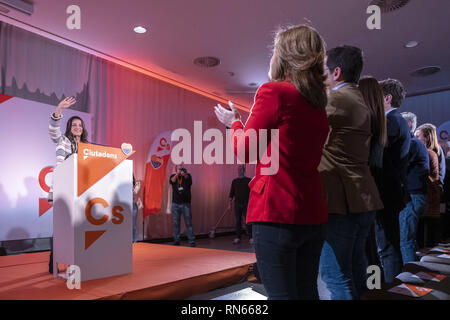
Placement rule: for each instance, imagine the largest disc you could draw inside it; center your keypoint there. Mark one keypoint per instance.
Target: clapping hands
(227, 117)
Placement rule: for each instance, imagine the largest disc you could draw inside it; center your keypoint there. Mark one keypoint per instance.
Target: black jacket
(395, 161)
(419, 167)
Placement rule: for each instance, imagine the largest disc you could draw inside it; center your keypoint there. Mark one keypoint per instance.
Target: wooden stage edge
(160, 272)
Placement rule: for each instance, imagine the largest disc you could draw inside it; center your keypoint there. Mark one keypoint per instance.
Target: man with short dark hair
(181, 182)
(350, 190)
(394, 181)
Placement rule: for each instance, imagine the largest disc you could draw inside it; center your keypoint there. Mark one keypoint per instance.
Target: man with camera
(181, 182)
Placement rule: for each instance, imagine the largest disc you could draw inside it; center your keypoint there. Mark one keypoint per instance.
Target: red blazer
(293, 195)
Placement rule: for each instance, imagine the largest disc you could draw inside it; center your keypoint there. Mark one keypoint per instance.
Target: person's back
(395, 159)
(286, 203)
(418, 167)
(394, 193)
(349, 117)
(351, 194)
(300, 151)
(346, 153)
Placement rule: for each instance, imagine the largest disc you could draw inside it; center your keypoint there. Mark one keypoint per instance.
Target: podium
(92, 212)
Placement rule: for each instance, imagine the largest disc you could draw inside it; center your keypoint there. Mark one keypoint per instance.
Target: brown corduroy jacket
(347, 182)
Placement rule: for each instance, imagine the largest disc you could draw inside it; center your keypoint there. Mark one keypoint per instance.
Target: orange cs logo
(92, 236)
(163, 145)
(44, 205)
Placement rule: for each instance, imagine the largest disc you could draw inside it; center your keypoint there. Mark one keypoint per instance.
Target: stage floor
(159, 272)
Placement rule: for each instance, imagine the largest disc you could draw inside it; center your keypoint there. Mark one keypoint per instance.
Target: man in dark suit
(394, 192)
(418, 170)
(351, 193)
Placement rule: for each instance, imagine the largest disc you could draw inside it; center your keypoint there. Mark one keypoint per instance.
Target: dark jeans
(240, 210)
(408, 220)
(387, 235)
(288, 258)
(343, 262)
(178, 210)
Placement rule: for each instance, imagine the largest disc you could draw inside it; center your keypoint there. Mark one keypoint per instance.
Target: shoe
(192, 244)
(250, 241)
(236, 241)
(176, 243)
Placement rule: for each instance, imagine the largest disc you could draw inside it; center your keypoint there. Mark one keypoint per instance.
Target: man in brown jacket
(349, 187)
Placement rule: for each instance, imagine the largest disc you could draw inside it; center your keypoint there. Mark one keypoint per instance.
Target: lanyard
(180, 179)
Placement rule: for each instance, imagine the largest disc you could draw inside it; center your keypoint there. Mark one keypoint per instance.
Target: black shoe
(176, 243)
(192, 244)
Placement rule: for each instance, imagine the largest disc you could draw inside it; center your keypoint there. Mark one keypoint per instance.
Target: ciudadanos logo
(90, 153)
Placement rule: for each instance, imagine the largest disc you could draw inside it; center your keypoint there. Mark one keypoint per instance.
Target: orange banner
(95, 162)
(155, 173)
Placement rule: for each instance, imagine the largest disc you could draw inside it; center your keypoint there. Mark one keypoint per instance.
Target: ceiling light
(426, 71)
(140, 29)
(412, 44)
(207, 62)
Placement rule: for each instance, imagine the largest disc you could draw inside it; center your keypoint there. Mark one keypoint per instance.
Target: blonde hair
(298, 55)
(429, 132)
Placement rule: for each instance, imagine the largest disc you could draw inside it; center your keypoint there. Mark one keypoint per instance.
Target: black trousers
(240, 210)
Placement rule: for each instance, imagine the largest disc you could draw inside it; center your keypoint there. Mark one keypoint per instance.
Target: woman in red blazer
(286, 206)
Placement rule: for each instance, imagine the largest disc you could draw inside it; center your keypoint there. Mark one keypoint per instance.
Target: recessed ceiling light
(207, 62)
(412, 44)
(426, 71)
(140, 29)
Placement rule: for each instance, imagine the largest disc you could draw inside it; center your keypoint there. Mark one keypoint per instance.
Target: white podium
(92, 212)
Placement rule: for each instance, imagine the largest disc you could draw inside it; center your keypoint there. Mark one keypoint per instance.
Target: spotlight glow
(140, 29)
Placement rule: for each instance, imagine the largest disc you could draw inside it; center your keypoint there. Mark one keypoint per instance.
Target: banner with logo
(93, 211)
(27, 160)
(443, 132)
(155, 172)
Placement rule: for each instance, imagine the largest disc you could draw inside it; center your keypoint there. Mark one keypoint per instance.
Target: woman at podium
(75, 132)
(66, 144)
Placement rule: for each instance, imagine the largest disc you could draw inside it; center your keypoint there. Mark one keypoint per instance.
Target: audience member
(373, 97)
(427, 134)
(287, 208)
(445, 226)
(393, 193)
(350, 190)
(418, 169)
